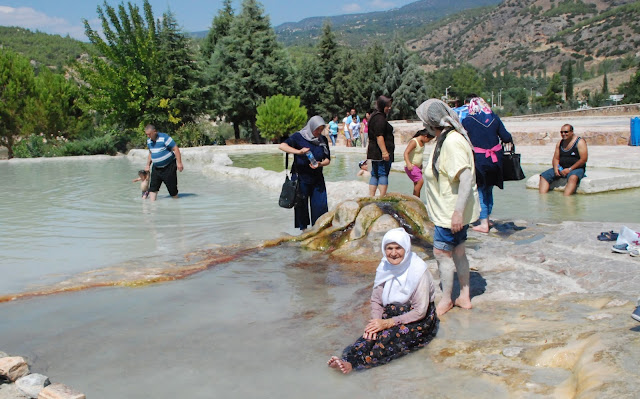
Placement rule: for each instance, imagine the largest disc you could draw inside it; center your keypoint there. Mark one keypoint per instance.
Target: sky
(65, 16)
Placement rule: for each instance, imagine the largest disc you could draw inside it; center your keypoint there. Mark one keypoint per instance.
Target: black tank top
(570, 156)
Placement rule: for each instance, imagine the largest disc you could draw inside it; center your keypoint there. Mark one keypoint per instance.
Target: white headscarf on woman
(435, 113)
(402, 279)
(311, 126)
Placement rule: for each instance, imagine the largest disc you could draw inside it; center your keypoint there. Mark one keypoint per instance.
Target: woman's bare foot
(345, 366)
(443, 307)
(463, 303)
(483, 227)
(333, 362)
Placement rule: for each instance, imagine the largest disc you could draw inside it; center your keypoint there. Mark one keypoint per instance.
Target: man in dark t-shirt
(569, 161)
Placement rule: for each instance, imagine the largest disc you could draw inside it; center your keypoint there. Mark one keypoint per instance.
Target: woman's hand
(376, 325)
(456, 222)
(303, 151)
(410, 167)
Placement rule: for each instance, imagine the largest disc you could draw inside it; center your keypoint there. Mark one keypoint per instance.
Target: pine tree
(178, 96)
(247, 66)
(411, 93)
(396, 64)
(605, 84)
(219, 28)
(329, 62)
(570, 81)
(312, 87)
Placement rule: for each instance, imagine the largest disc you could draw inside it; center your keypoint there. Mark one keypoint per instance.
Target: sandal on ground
(608, 236)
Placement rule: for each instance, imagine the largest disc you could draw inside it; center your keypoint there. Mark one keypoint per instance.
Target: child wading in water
(413, 159)
(143, 178)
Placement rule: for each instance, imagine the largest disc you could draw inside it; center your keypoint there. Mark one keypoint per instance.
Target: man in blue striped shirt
(166, 159)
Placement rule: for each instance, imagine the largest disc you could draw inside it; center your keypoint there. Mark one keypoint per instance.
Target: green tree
(605, 84)
(396, 64)
(329, 60)
(465, 80)
(219, 28)
(631, 89)
(178, 94)
(119, 73)
(552, 96)
(313, 88)
(18, 104)
(141, 72)
(279, 116)
(59, 98)
(247, 66)
(411, 93)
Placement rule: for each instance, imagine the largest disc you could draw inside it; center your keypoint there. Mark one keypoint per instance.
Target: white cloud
(351, 7)
(29, 18)
(382, 4)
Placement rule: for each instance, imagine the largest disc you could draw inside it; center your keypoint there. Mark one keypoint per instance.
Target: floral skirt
(393, 342)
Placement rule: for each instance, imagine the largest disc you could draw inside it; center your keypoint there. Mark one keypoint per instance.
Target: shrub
(279, 116)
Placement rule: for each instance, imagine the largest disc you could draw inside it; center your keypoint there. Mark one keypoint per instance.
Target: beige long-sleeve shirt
(424, 294)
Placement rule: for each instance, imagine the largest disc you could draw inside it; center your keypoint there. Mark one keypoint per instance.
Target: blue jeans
(445, 240)
(549, 175)
(314, 194)
(333, 139)
(380, 173)
(485, 193)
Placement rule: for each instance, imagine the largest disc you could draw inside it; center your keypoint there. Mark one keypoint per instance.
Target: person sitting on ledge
(569, 160)
(403, 314)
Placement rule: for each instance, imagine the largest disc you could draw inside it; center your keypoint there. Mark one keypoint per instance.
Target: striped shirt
(161, 154)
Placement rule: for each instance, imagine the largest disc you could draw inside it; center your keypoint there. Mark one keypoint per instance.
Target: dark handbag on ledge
(511, 170)
(289, 194)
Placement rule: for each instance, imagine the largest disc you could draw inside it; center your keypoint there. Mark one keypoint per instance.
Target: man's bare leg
(543, 186)
(572, 184)
(153, 195)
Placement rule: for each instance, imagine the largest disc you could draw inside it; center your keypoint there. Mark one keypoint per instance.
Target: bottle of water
(312, 159)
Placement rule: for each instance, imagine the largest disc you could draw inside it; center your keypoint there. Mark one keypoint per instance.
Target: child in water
(143, 178)
(413, 159)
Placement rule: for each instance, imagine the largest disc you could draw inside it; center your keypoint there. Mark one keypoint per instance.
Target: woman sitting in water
(403, 316)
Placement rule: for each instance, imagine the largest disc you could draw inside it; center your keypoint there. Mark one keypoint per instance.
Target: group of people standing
(355, 131)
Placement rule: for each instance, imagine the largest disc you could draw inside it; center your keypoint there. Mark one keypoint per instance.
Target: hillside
(406, 22)
(42, 48)
(533, 36)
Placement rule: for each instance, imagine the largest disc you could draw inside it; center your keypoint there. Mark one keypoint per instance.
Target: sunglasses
(565, 131)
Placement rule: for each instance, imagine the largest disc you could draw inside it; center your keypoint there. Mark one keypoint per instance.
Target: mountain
(41, 48)
(358, 29)
(533, 36)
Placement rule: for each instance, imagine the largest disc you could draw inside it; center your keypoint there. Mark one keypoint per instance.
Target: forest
(96, 97)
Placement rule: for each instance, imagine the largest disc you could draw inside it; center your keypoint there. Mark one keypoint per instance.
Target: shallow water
(64, 217)
(514, 202)
(260, 325)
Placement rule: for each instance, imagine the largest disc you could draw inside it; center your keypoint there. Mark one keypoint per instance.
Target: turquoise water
(514, 202)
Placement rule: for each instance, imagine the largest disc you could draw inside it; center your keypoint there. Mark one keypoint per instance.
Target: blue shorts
(549, 175)
(347, 135)
(445, 240)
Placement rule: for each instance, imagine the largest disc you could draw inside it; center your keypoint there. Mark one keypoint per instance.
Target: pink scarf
(491, 152)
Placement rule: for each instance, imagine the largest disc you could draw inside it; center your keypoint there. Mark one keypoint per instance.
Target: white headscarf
(402, 279)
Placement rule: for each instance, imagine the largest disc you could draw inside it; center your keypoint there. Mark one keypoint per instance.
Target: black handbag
(289, 194)
(511, 169)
